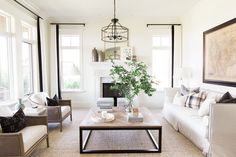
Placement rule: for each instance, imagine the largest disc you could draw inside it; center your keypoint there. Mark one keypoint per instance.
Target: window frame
(32, 42)
(71, 32)
(31, 67)
(168, 48)
(9, 38)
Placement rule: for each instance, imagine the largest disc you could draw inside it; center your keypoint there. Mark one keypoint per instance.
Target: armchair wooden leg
(71, 117)
(47, 142)
(61, 126)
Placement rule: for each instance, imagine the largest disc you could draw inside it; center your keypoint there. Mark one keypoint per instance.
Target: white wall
(203, 16)
(140, 40)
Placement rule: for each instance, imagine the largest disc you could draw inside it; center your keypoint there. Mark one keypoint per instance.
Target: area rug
(66, 143)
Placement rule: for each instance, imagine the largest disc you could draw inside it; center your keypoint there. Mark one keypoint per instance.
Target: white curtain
(44, 54)
(53, 61)
(177, 53)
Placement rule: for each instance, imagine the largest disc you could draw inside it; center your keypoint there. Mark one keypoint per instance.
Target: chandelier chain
(114, 8)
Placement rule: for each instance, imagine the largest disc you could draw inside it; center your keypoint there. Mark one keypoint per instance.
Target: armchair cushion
(13, 124)
(52, 102)
(38, 99)
(32, 134)
(65, 110)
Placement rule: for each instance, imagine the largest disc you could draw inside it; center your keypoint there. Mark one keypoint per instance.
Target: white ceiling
(61, 9)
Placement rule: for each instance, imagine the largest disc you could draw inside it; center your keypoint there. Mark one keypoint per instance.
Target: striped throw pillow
(194, 100)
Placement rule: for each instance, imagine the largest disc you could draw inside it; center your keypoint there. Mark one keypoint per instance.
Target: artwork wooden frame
(219, 54)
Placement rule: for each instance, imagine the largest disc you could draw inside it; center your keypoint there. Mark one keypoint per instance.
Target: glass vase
(19, 105)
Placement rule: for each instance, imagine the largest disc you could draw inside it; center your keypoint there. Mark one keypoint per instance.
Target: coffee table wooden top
(120, 121)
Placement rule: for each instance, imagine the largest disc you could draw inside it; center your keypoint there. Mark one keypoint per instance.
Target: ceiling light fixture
(115, 32)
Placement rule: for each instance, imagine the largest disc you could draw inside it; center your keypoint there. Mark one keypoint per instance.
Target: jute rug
(66, 143)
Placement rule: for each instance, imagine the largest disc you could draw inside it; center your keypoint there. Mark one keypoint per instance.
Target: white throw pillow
(38, 99)
(185, 91)
(179, 99)
(205, 107)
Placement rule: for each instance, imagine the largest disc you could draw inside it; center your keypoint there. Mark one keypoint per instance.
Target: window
(27, 58)
(5, 52)
(161, 59)
(18, 55)
(70, 61)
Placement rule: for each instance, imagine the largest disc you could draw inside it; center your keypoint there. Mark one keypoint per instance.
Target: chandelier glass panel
(115, 32)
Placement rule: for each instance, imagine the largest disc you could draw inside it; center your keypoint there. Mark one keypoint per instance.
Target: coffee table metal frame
(157, 146)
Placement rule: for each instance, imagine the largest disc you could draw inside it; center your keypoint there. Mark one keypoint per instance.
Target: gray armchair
(56, 114)
(24, 142)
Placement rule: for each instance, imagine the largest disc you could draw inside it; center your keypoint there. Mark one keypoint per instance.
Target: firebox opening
(111, 93)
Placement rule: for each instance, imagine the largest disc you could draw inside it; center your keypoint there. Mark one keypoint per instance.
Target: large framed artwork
(219, 54)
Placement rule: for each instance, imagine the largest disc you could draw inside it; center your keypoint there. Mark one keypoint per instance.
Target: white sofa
(187, 120)
(223, 130)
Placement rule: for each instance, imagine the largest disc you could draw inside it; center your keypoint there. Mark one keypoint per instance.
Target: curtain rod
(164, 24)
(68, 24)
(28, 9)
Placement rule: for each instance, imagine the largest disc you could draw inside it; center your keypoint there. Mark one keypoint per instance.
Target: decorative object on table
(135, 111)
(102, 117)
(131, 79)
(105, 103)
(126, 53)
(110, 110)
(19, 105)
(134, 118)
(105, 106)
(101, 56)
(219, 61)
(115, 32)
(134, 58)
(94, 55)
(112, 53)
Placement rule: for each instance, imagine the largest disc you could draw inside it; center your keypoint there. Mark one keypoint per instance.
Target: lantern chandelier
(115, 32)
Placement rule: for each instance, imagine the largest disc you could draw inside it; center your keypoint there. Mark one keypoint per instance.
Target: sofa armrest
(11, 144)
(170, 94)
(222, 129)
(36, 120)
(54, 113)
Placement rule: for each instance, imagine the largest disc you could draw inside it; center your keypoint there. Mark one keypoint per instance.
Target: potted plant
(131, 79)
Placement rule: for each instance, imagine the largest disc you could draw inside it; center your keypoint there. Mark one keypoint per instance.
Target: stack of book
(105, 106)
(135, 118)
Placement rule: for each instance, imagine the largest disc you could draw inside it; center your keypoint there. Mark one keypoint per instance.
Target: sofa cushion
(213, 95)
(227, 98)
(65, 110)
(52, 102)
(195, 99)
(205, 107)
(185, 91)
(13, 124)
(170, 94)
(180, 99)
(32, 134)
